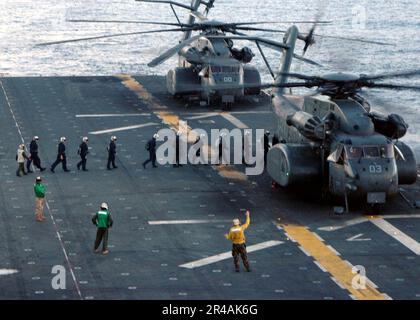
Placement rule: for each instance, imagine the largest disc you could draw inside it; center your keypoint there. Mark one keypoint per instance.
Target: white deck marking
(208, 114)
(100, 115)
(203, 116)
(5, 272)
(137, 126)
(160, 222)
(397, 234)
(251, 112)
(320, 266)
(357, 237)
(399, 216)
(355, 221)
(235, 121)
(348, 223)
(228, 255)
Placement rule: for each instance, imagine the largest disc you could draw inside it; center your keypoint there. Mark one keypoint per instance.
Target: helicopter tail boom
(286, 60)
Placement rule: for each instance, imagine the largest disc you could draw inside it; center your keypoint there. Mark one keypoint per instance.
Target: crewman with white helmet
(61, 156)
(151, 147)
(237, 236)
(103, 220)
(112, 151)
(83, 152)
(39, 190)
(20, 158)
(34, 158)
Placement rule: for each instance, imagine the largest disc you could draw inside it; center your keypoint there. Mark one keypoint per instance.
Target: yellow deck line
(330, 261)
(173, 120)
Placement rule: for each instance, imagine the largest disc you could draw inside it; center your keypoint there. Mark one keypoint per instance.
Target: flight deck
(169, 223)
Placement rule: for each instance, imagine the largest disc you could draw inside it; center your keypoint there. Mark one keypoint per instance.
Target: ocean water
(25, 23)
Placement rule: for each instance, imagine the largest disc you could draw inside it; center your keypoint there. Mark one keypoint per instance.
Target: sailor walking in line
(83, 152)
(151, 147)
(20, 158)
(33, 156)
(112, 151)
(61, 156)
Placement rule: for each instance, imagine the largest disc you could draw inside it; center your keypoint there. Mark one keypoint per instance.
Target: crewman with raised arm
(237, 236)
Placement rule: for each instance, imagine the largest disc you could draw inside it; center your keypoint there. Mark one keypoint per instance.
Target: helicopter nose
(377, 177)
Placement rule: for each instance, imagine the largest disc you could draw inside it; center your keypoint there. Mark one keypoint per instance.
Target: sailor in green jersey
(103, 220)
(39, 190)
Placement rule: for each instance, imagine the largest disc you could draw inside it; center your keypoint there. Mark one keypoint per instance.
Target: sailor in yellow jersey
(237, 236)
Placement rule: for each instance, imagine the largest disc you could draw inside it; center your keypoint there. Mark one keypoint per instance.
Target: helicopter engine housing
(243, 55)
(294, 164)
(182, 81)
(392, 126)
(407, 167)
(191, 54)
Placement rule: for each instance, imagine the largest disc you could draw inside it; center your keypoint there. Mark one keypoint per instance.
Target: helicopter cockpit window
(354, 152)
(229, 69)
(371, 152)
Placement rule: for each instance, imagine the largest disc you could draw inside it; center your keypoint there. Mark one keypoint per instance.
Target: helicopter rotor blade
(196, 25)
(130, 21)
(171, 51)
(309, 61)
(279, 22)
(394, 86)
(245, 26)
(273, 44)
(400, 74)
(111, 36)
(354, 39)
(259, 29)
(249, 86)
(298, 76)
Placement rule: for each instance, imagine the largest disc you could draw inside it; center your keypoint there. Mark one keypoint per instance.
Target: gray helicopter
(333, 139)
(209, 58)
